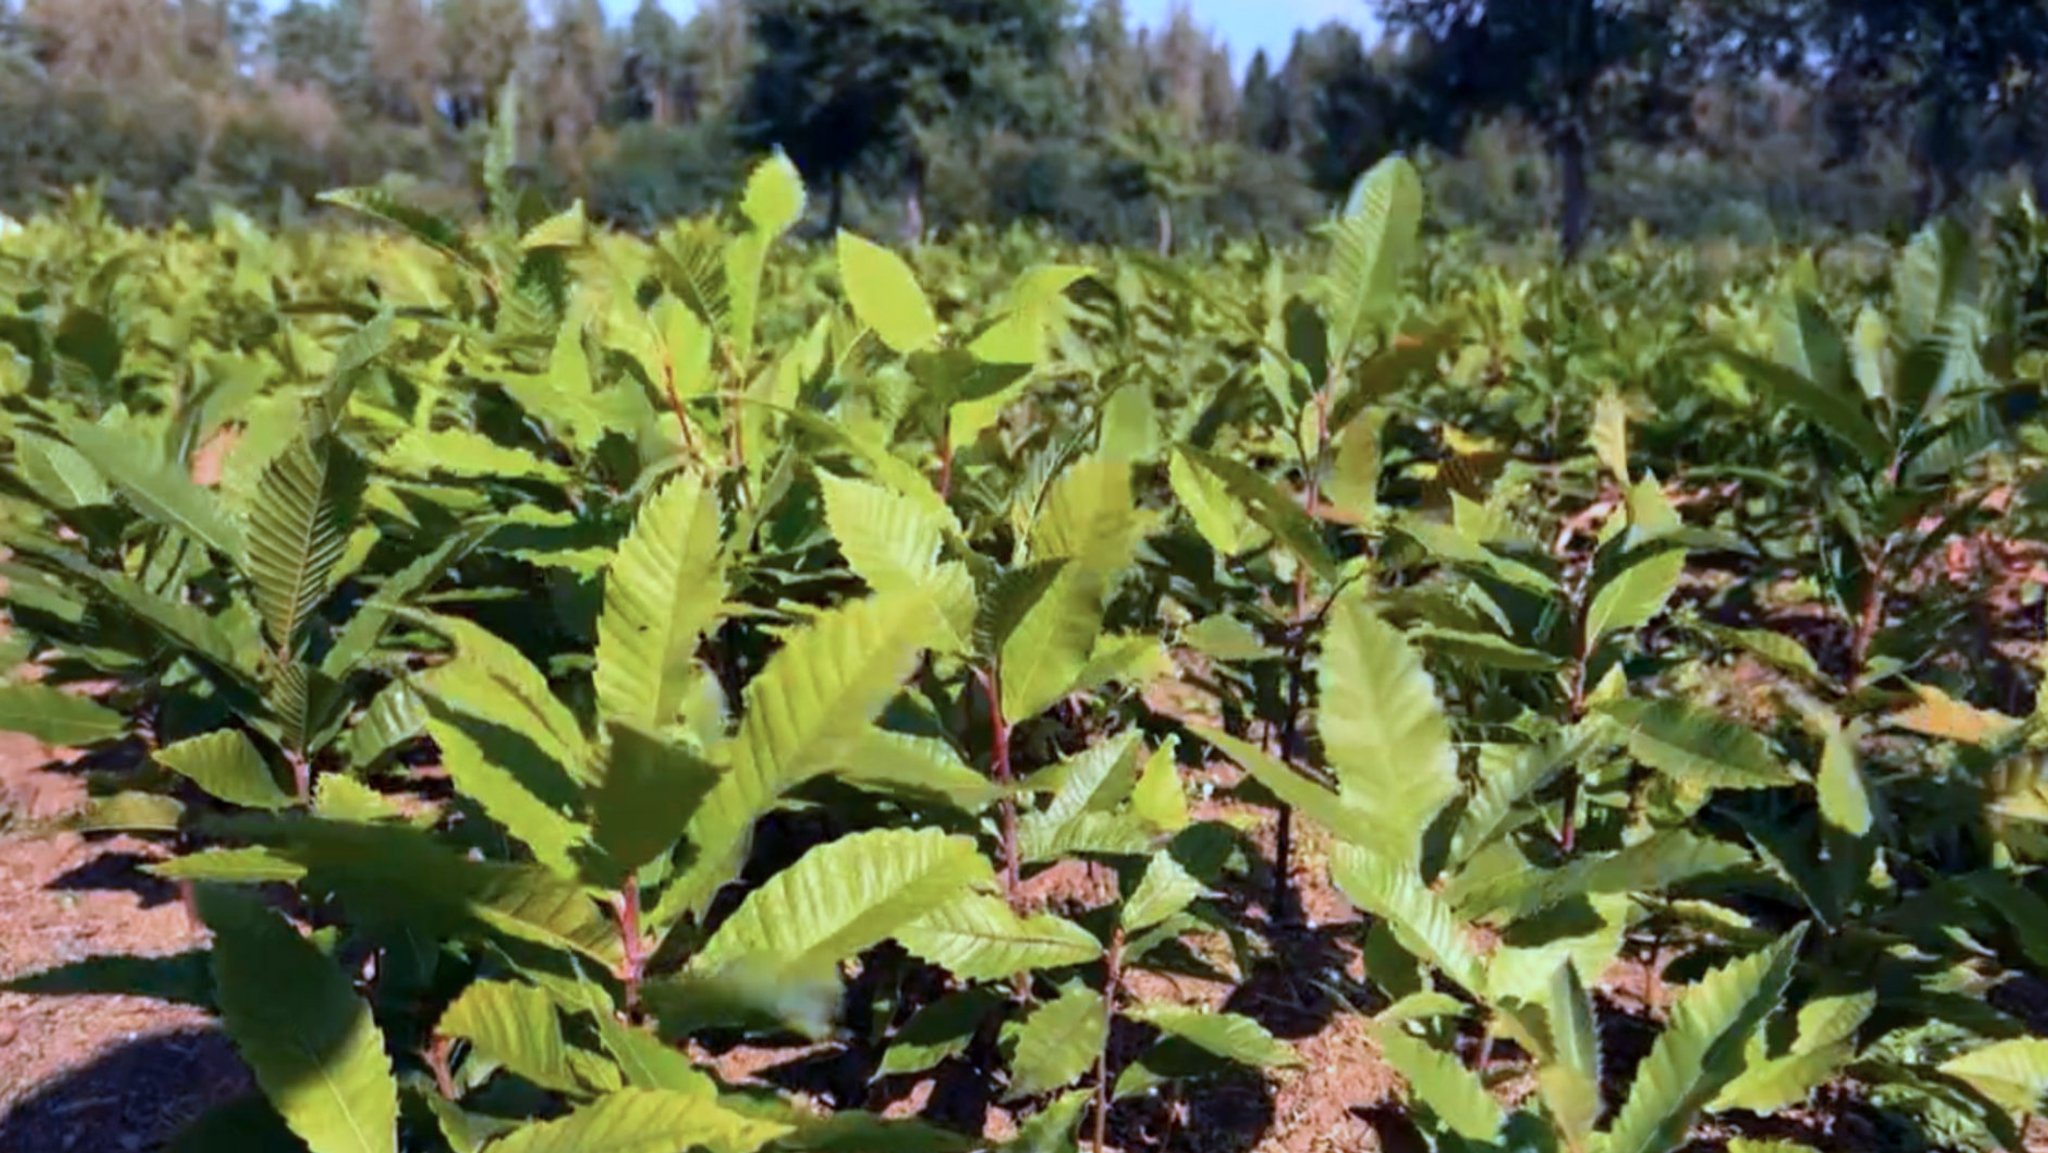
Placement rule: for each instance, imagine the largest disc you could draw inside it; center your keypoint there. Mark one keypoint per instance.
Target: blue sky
(1246, 25)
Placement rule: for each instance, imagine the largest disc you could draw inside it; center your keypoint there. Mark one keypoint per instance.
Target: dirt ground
(90, 1072)
(122, 1074)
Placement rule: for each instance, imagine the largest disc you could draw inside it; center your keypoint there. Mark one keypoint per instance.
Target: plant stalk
(302, 775)
(999, 767)
(1110, 986)
(1868, 620)
(632, 964)
(946, 455)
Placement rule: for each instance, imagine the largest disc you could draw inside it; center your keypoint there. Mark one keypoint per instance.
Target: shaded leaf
(296, 1020)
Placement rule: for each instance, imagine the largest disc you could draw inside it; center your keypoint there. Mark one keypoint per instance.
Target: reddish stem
(999, 757)
(1568, 831)
(1867, 624)
(633, 963)
(1110, 986)
(437, 1063)
(946, 455)
(302, 776)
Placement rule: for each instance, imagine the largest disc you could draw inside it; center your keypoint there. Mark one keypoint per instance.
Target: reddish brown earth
(91, 1073)
(99, 1073)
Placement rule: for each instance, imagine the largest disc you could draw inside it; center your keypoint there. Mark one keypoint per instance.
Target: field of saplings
(731, 690)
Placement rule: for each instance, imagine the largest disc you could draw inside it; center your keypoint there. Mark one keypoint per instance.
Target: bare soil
(91, 1072)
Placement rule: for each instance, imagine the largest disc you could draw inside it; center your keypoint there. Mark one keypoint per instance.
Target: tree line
(920, 115)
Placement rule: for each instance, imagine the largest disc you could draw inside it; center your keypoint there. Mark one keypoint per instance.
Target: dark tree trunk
(1575, 193)
(913, 202)
(1165, 225)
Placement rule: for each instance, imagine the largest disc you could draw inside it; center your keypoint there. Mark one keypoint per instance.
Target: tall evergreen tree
(1263, 113)
(843, 84)
(482, 43)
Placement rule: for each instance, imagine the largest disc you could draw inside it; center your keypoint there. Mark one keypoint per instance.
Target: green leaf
(434, 231)
(1217, 515)
(1569, 1080)
(1443, 1086)
(515, 1027)
(1489, 812)
(1052, 1130)
(938, 1032)
(340, 798)
(922, 769)
(663, 589)
(1350, 823)
(59, 473)
(1090, 516)
(841, 898)
(514, 783)
(249, 866)
(296, 1020)
(396, 715)
(1609, 436)
(1844, 796)
(1658, 862)
(1421, 919)
(568, 228)
(130, 813)
(1778, 649)
(225, 765)
(824, 687)
(1164, 891)
(639, 810)
(1230, 1036)
(1272, 509)
(1702, 1049)
(1826, 1043)
(1096, 780)
(1354, 482)
(1058, 1042)
(463, 453)
(365, 629)
(1384, 732)
(299, 527)
(645, 1121)
(2013, 1073)
(57, 718)
(1158, 798)
(774, 198)
(885, 296)
(162, 492)
(1372, 246)
(492, 681)
(1697, 746)
(1047, 648)
(1838, 411)
(394, 874)
(893, 542)
(1633, 596)
(648, 1062)
(978, 937)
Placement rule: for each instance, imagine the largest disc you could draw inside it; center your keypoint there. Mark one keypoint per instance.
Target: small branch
(633, 962)
(302, 775)
(999, 766)
(1870, 619)
(436, 1058)
(1110, 987)
(945, 458)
